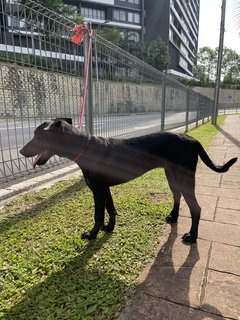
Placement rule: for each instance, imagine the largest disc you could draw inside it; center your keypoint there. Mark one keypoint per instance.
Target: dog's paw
(188, 239)
(108, 228)
(170, 219)
(88, 235)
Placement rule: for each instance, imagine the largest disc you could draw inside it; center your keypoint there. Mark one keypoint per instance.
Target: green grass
(49, 272)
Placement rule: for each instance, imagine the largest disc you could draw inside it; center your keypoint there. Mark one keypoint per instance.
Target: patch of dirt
(158, 197)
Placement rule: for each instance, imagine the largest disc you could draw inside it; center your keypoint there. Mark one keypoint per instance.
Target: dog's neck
(72, 145)
(82, 151)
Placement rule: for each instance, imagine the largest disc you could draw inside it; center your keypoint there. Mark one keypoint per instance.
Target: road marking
(15, 128)
(147, 127)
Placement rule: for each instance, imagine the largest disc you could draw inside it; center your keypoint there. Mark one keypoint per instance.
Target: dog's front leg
(100, 197)
(112, 213)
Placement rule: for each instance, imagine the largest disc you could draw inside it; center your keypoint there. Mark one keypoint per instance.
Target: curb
(41, 181)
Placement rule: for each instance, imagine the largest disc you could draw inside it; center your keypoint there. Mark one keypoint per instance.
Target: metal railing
(42, 77)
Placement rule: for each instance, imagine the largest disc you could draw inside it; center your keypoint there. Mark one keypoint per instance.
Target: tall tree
(110, 34)
(156, 54)
(206, 66)
(207, 59)
(153, 52)
(60, 7)
(230, 64)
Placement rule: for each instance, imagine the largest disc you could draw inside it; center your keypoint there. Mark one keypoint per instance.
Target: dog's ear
(68, 120)
(57, 124)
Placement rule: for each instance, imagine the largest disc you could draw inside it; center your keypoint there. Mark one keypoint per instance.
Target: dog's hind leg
(100, 198)
(188, 192)
(112, 213)
(173, 216)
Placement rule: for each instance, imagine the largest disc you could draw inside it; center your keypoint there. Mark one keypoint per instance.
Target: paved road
(14, 134)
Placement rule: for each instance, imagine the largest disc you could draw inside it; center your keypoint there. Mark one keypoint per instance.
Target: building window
(176, 40)
(119, 15)
(133, 17)
(13, 22)
(134, 1)
(184, 39)
(183, 63)
(184, 50)
(93, 13)
(122, 35)
(130, 17)
(171, 34)
(185, 27)
(191, 47)
(133, 36)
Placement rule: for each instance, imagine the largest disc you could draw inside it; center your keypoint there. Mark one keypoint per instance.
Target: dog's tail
(205, 158)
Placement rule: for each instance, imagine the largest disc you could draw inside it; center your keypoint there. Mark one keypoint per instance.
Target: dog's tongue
(37, 158)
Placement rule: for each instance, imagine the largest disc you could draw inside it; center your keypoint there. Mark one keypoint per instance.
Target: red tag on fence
(78, 34)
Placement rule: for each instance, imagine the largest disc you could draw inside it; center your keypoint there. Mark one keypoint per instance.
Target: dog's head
(46, 140)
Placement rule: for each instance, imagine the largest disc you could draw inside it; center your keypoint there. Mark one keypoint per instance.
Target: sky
(209, 27)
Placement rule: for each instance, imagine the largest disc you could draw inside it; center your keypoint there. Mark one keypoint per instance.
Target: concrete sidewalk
(201, 281)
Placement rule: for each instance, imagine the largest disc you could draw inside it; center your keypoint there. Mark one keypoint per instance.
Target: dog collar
(78, 157)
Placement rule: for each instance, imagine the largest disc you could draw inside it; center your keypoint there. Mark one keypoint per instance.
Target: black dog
(108, 162)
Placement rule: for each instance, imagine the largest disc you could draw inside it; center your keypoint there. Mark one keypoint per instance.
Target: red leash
(78, 38)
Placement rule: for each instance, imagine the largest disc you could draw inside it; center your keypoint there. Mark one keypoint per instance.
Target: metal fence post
(163, 101)
(198, 109)
(187, 109)
(208, 113)
(89, 101)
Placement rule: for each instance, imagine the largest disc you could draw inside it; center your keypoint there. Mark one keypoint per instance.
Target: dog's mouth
(41, 158)
(32, 149)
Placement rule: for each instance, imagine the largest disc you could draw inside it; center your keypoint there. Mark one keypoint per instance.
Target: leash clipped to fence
(78, 37)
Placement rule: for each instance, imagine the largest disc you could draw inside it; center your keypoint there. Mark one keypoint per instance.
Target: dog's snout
(31, 149)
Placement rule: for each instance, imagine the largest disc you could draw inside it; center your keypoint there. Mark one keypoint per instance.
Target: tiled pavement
(201, 281)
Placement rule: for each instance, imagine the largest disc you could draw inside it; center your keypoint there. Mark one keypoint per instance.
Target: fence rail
(41, 77)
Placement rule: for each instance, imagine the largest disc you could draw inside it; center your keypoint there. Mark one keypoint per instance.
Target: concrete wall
(225, 95)
(29, 92)
(26, 92)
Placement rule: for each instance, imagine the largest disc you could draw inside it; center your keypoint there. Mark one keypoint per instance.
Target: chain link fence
(126, 92)
(42, 77)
